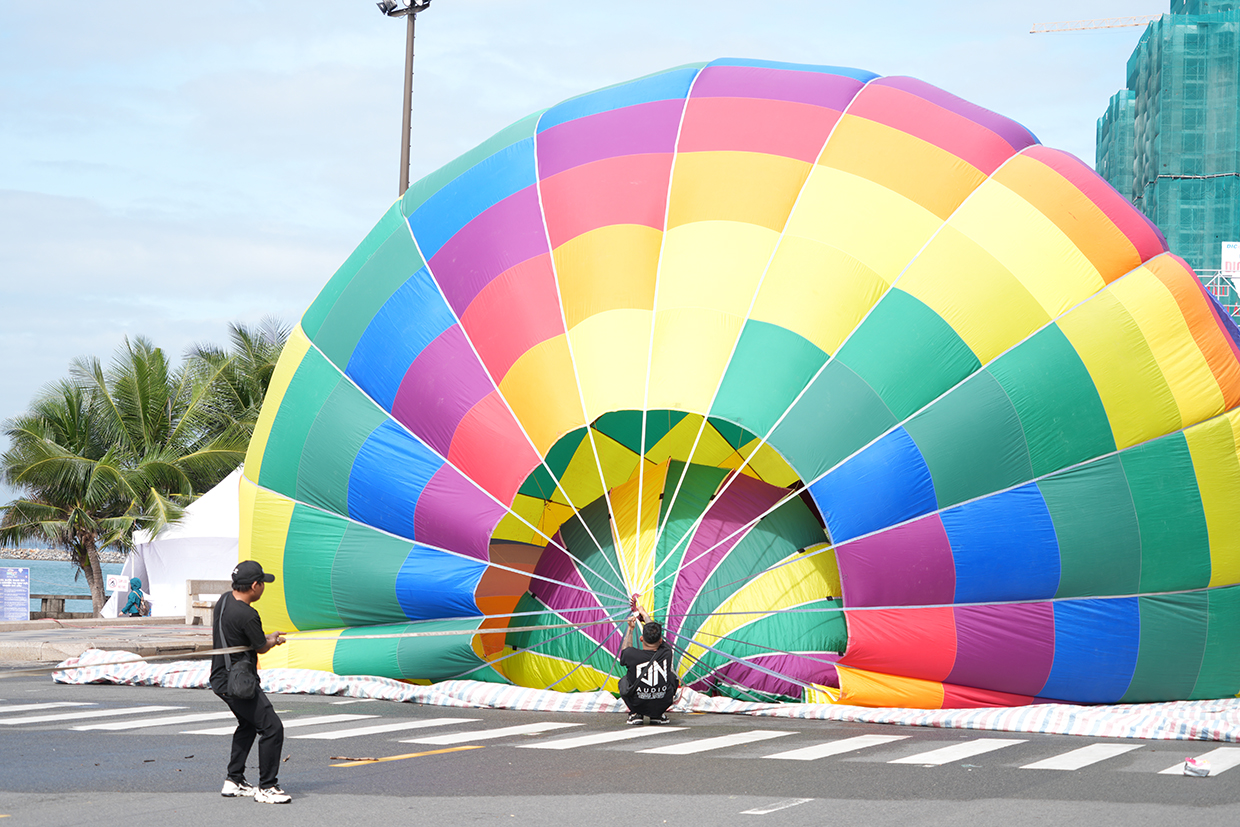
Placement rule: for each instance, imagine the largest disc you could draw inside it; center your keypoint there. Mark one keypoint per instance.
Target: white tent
(202, 546)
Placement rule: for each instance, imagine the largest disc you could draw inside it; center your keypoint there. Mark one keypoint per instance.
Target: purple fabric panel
(440, 387)
(563, 589)
(818, 88)
(799, 669)
(909, 565)
(743, 501)
(503, 236)
(642, 129)
(1005, 648)
(1016, 135)
(456, 515)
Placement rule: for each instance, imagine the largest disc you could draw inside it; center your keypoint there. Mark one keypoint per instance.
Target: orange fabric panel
(859, 687)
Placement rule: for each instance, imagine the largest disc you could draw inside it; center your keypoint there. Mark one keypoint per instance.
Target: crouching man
(648, 688)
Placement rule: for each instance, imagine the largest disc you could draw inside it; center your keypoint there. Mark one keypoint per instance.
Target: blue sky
(168, 168)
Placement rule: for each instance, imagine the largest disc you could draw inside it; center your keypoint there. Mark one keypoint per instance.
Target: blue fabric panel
(1096, 646)
(433, 584)
(1004, 547)
(471, 193)
(845, 71)
(406, 323)
(387, 479)
(669, 85)
(887, 483)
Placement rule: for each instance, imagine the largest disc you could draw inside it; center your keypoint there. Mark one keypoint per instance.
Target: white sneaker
(272, 795)
(234, 790)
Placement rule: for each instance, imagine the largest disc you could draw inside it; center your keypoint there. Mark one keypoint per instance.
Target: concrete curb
(51, 641)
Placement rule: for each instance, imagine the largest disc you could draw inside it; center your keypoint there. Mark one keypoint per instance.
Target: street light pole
(410, 10)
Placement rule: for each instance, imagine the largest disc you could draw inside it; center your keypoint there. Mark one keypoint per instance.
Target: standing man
(649, 686)
(237, 623)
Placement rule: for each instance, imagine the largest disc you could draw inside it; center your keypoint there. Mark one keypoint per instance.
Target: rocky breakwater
(55, 554)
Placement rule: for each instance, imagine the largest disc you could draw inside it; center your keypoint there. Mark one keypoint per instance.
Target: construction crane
(1104, 23)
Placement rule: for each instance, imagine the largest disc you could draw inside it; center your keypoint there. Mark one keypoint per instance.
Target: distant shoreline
(55, 554)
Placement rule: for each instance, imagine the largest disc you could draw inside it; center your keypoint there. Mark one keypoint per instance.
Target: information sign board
(14, 593)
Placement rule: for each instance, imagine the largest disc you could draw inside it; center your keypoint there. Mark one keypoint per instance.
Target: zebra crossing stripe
(487, 734)
(1221, 760)
(719, 742)
(292, 722)
(602, 737)
(778, 805)
(813, 753)
(87, 713)
(6, 710)
(1082, 757)
(957, 752)
(376, 729)
(150, 722)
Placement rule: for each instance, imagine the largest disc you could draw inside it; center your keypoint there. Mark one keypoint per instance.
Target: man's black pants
(256, 716)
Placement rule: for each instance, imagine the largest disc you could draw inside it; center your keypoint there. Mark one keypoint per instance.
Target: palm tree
(238, 378)
(108, 451)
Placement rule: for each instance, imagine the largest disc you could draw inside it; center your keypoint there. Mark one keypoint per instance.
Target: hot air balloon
(850, 382)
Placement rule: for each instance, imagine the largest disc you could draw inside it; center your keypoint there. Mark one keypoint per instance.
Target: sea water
(57, 577)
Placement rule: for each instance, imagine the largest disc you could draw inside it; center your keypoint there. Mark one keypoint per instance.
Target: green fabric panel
(659, 424)
(598, 567)
(1220, 664)
(907, 353)
(377, 279)
(561, 454)
(769, 368)
(730, 432)
(439, 657)
(313, 383)
(363, 576)
(391, 222)
(369, 657)
(676, 519)
(575, 647)
(1173, 639)
(1175, 543)
(538, 484)
(421, 190)
(777, 536)
(838, 414)
(1059, 407)
(315, 536)
(344, 422)
(1096, 526)
(624, 427)
(972, 441)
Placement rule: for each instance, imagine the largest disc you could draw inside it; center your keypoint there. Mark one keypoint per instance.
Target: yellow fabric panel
(637, 500)
(580, 478)
(619, 463)
(553, 516)
(974, 293)
(770, 466)
(1216, 464)
(859, 687)
(1158, 315)
(692, 347)
(1133, 390)
(829, 567)
(264, 522)
(533, 669)
(609, 268)
(716, 264)
(316, 652)
(747, 187)
(1028, 245)
(611, 351)
(878, 227)
(290, 359)
(678, 442)
(816, 291)
(923, 172)
(512, 528)
(815, 694)
(542, 392)
(736, 461)
(712, 449)
(794, 581)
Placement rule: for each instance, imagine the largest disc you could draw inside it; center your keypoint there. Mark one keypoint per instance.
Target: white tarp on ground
(202, 546)
(1179, 720)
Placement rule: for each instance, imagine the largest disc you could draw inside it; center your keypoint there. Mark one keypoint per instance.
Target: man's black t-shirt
(650, 676)
(236, 623)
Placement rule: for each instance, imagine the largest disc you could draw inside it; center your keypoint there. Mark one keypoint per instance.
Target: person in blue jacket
(133, 606)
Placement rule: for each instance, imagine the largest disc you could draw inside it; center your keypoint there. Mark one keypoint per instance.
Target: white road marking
(293, 722)
(602, 737)
(720, 742)
(487, 734)
(957, 752)
(1082, 757)
(6, 710)
(164, 721)
(813, 753)
(778, 805)
(84, 713)
(1221, 760)
(375, 729)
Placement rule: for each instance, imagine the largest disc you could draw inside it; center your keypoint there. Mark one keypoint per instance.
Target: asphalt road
(56, 771)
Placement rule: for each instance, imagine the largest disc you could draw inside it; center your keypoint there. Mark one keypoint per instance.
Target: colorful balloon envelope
(851, 382)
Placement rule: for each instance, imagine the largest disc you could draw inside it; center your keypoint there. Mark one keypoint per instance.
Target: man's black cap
(250, 571)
